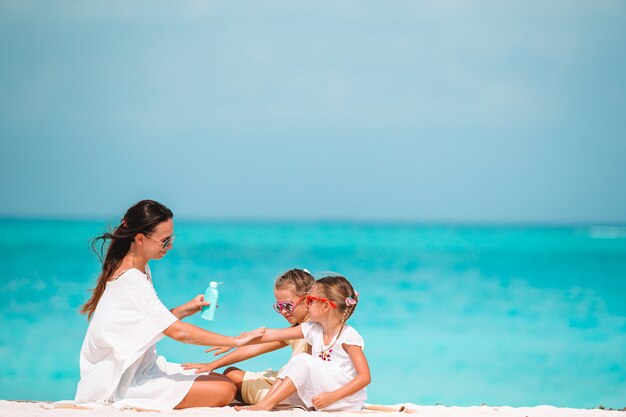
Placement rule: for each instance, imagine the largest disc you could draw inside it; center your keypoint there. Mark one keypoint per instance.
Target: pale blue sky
(427, 111)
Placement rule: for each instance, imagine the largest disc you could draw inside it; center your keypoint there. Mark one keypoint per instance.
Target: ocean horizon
(451, 313)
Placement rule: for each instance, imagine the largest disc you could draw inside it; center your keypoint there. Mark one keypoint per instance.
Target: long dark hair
(143, 217)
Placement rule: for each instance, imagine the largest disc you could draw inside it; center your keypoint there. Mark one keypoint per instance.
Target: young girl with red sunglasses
(334, 376)
(290, 290)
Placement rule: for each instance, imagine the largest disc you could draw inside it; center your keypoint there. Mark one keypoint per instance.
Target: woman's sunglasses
(310, 299)
(287, 306)
(164, 243)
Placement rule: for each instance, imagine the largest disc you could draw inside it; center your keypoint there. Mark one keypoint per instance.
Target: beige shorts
(256, 385)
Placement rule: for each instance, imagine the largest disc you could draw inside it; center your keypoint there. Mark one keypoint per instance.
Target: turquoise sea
(450, 314)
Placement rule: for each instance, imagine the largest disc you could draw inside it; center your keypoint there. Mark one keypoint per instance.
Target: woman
(118, 361)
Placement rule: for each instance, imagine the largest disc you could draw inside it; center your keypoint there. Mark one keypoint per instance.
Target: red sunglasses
(310, 299)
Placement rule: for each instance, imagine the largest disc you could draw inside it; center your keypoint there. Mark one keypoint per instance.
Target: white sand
(36, 409)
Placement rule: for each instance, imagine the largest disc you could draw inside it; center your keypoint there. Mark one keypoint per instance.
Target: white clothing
(325, 369)
(119, 365)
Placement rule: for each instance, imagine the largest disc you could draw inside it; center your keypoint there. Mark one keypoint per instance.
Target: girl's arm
(194, 335)
(238, 355)
(275, 335)
(360, 381)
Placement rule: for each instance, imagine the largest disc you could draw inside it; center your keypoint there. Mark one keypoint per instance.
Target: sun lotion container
(210, 295)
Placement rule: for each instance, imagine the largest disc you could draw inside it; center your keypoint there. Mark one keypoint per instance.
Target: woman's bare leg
(235, 375)
(281, 390)
(213, 390)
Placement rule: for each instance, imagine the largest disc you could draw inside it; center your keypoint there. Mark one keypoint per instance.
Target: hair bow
(350, 301)
(124, 223)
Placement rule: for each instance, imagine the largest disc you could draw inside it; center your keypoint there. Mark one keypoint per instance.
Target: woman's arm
(360, 381)
(238, 355)
(194, 335)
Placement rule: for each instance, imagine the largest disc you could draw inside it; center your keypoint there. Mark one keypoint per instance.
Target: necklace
(325, 353)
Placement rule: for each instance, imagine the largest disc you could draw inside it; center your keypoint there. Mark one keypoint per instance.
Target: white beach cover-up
(119, 365)
(311, 375)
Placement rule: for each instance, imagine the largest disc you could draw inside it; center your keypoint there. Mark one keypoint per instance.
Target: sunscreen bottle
(210, 295)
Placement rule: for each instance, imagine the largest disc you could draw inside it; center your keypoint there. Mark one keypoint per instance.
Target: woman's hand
(323, 400)
(246, 337)
(199, 367)
(219, 350)
(190, 307)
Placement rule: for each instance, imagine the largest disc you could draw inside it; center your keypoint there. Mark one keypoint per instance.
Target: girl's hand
(323, 400)
(246, 337)
(200, 367)
(219, 350)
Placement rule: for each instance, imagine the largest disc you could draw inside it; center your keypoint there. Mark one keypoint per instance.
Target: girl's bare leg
(280, 391)
(213, 390)
(274, 387)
